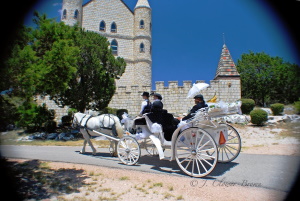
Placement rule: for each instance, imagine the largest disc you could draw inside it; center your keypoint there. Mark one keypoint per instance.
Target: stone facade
(133, 35)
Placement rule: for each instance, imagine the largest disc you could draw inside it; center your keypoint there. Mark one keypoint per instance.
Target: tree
(94, 83)
(75, 67)
(268, 79)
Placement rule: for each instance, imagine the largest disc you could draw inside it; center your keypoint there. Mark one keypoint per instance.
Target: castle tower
(143, 43)
(72, 12)
(226, 67)
(227, 82)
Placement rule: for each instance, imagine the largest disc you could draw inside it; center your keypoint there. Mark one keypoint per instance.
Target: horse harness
(102, 124)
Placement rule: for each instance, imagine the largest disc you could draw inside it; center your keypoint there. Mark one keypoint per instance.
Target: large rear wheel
(191, 152)
(232, 148)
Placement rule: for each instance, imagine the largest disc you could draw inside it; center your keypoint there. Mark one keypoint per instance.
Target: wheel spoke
(187, 158)
(206, 161)
(228, 150)
(202, 164)
(232, 147)
(209, 156)
(199, 172)
(203, 145)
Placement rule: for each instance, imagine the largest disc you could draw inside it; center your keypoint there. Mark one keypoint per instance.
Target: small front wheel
(128, 150)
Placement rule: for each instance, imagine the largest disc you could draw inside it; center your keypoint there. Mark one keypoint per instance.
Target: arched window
(65, 14)
(113, 28)
(102, 26)
(142, 47)
(76, 14)
(142, 24)
(114, 47)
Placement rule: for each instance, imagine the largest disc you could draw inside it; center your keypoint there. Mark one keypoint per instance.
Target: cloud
(57, 4)
(60, 11)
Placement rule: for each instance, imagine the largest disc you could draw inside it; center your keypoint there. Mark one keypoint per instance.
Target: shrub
(258, 116)
(33, 116)
(71, 111)
(66, 120)
(247, 105)
(277, 108)
(297, 106)
(50, 126)
(120, 112)
(109, 110)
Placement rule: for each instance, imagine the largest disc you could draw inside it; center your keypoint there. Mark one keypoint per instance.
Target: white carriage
(197, 145)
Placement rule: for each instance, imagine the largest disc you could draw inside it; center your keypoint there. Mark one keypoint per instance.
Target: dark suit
(195, 109)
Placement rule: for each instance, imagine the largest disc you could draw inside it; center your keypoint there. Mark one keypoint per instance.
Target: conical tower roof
(142, 4)
(226, 66)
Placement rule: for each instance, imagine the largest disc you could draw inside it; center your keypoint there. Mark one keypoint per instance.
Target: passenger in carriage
(157, 99)
(166, 120)
(146, 104)
(199, 103)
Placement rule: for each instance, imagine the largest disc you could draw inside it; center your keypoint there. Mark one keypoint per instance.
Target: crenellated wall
(174, 96)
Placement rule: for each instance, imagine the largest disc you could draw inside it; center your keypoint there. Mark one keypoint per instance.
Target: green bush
(109, 110)
(50, 126)
(297, 106)
(247, 105)
(71, 111)
(33, 116)
(258, 116)
(277, 108)
(120, 112)
(66, 120)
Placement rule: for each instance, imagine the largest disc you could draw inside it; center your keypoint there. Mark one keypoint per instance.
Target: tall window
(114, 47)
(102, 26)
(65, 14)
(113, 28)
(142, 24)
(76, 14)
(142, 47)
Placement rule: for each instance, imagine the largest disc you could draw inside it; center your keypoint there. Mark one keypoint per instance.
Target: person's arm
(144, 104)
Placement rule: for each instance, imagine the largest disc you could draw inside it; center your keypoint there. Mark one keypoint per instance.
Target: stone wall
(174, 96)
(59, 111)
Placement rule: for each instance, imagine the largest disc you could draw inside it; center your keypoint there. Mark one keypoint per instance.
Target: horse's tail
(118, 126)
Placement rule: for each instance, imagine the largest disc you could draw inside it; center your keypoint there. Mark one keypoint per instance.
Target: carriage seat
(166, 120)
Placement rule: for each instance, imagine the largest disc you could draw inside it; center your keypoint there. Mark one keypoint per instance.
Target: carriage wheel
(128, 150)
(150, 147)
(231, 149)
(191, 148)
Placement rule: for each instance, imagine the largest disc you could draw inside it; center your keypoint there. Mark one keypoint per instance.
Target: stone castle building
(130, 36)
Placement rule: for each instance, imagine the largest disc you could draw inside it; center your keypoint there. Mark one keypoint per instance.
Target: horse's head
(128, 122)
(77, 117)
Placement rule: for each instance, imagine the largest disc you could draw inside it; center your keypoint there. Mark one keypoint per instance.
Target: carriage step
(166, 158)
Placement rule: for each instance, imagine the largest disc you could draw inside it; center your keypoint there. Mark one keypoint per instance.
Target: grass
(290, 130)
(124, 178)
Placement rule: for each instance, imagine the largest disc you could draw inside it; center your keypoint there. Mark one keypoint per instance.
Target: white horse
(106, 123)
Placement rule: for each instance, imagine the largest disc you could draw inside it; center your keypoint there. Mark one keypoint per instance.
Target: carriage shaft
(105, 135)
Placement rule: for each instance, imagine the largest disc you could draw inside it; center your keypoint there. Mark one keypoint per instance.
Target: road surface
(266, 171)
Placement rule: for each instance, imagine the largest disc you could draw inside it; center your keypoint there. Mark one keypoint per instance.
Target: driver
(146, 104)
(199, 103)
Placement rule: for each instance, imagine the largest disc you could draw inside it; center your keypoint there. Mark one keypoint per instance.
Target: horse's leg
(115, 149)
(83, 148)
(92, 146)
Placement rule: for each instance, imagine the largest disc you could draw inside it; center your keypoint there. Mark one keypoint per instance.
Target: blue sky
(187, 35)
